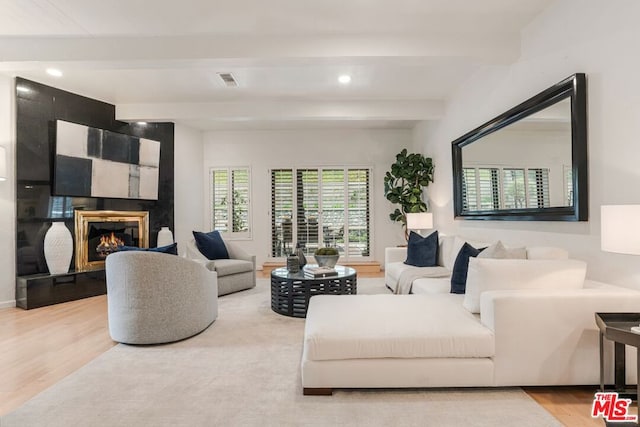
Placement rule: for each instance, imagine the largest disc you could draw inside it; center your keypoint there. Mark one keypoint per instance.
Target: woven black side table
(290, 292)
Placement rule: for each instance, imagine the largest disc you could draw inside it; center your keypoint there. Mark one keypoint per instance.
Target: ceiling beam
(283, 110)
(493, 48)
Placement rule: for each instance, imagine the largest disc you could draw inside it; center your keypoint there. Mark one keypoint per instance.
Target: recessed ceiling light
(54, 72)
(141, 123)
(344, 79)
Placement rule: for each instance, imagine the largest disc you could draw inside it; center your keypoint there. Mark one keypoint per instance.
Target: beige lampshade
(3, 164)
(420, 221)
(620, 229)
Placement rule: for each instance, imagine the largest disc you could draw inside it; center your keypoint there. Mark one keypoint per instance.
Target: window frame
(344, 256)
(231, 235)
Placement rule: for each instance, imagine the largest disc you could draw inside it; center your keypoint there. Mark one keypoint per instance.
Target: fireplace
(99, 233)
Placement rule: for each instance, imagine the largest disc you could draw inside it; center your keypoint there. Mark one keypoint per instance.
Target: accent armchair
(234, 274)
(157, 298)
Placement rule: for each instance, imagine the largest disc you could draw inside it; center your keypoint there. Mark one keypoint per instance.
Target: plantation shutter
(358, 212)
(488, 188)
(240, 198)
(469, 189)
(282, 193)
(538, 188)
(333, 207)
(320, 207)
(513, 188)
(220, 184)
(307, 208)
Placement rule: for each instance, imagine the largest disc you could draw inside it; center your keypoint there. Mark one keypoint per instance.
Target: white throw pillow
(499, 251)
(502, 274)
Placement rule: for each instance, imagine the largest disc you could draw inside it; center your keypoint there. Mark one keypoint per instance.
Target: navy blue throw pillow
(461, 267)
(171, 249)
(211, 245)
(422, 251)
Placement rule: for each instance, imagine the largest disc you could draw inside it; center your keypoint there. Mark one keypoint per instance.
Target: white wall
(591, 36)
(264, 150)
(189, 202)
(7, 196)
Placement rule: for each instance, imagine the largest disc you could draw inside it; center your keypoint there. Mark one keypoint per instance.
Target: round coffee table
(290, 292)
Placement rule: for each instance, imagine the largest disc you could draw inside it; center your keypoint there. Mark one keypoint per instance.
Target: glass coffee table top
(283, 273)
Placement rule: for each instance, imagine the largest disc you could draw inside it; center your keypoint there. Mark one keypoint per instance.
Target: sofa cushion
(398, 326)
(211, 244)
(503, 274)
(459, 273)
(422, 251)
(226, 267)
(432, 285)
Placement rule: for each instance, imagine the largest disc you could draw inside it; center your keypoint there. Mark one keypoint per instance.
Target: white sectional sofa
(520, 337)
(394, 265)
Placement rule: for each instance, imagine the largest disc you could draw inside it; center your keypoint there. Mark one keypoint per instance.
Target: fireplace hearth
(99, 233)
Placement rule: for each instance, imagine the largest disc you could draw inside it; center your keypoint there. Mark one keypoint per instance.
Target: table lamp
(620, 231)
(419, 221)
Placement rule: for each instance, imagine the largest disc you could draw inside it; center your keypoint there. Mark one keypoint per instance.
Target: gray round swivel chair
(157, 298)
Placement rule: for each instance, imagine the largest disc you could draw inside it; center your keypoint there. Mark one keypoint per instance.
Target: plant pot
(326, 260)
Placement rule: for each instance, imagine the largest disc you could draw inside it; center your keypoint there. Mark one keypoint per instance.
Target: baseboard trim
(7, 304)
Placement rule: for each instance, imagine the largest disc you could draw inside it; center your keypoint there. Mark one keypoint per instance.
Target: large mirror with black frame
(529, 163)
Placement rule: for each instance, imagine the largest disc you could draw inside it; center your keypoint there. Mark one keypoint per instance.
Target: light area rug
(244, 370)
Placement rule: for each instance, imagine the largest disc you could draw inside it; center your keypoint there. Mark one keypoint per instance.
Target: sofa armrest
(396, 254)
(549, 337)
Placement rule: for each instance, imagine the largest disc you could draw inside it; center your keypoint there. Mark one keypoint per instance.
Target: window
(320, 207)
(230, 201)
(488, 188)
(61, 207)
(568, 185)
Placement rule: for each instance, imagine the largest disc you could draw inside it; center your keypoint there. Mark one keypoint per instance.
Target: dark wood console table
(616, 327)
(39, 290)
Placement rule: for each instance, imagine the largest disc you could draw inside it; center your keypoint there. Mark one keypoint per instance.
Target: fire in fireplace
(109, 243)
(99, 233)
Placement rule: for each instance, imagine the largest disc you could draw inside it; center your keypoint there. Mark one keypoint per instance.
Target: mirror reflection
(524, 165)
(529, 163)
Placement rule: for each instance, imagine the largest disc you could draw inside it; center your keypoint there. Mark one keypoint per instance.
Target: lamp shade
(419, 221)
(620, 229)
(3, 163)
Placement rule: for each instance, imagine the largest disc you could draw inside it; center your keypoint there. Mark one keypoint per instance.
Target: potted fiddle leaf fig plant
(404, 183)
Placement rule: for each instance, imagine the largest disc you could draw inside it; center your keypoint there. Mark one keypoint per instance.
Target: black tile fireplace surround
(37, 108)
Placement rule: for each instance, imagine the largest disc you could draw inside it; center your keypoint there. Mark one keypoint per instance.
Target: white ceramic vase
(58, 248)
(165, 237)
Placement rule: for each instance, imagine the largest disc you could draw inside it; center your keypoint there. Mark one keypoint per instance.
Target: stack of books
(318, 272)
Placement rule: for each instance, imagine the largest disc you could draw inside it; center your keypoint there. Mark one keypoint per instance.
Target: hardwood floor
(40, 347)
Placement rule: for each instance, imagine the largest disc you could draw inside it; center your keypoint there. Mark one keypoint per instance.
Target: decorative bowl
(326, 260)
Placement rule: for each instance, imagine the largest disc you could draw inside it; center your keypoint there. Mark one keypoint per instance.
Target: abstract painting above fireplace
(92, 162)
(99, 233)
